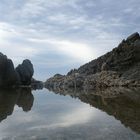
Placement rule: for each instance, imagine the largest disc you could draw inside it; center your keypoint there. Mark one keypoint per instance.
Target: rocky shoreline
(120, 67)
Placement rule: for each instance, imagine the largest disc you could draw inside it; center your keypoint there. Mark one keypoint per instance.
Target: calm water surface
(44, 115)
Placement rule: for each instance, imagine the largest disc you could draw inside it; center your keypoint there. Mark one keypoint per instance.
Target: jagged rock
(133, 37)
(25, 71)
(120, 67)
(72, 72)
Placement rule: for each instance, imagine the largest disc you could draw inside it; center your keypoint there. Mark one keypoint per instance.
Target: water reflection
(11, 97)
(58, 117)
(122, 103)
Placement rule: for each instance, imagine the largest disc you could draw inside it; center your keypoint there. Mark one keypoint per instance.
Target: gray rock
(133, 37)
(8, 76)
(25, 72)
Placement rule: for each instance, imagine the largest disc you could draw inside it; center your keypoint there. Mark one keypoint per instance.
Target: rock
(119, 67)
(8, 76)
(133, 37)
(72, 72)
(25, 71)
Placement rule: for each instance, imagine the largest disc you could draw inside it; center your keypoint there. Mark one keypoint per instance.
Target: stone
(133, 37)
(25, 71)
(11, 77)
(8, 76)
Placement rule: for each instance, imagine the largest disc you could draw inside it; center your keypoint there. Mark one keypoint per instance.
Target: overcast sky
(57, 35)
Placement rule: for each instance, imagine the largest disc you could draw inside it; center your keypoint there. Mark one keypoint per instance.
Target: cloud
(80, 115)
(64, 31)
(78, 51)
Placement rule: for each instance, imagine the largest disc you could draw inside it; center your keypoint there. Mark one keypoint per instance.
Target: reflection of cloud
(44, 117)
(80, 115)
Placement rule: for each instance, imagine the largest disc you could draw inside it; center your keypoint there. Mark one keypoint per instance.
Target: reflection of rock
(119, 67)
(9, 98)
(7, 103)
(122, 103)
(36, 85)
(26, 99)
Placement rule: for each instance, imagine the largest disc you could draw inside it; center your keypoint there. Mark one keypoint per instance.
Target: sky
(59, 35)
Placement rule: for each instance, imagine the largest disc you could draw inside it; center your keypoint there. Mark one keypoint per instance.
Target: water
(44, 115)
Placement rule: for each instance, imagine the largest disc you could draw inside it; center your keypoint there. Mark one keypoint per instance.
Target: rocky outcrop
(25, 72)
(120, 67)
(9, 76)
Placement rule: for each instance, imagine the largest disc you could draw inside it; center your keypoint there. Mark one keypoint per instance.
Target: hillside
(119, 67)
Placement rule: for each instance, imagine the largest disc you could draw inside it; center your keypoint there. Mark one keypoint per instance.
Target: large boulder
(8, 76)
(25, 72)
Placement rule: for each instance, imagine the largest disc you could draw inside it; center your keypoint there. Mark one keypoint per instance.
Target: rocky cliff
(10, 76)
(119, 67)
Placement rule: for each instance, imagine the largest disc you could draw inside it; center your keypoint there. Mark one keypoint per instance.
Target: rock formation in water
(25, 72)
(120, 67)
(9, 76)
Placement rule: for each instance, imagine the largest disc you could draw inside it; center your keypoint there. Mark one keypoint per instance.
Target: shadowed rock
(8, 76)
(25, 72)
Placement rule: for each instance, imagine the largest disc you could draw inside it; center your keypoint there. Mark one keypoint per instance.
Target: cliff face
(120, 67)
(120, 59)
